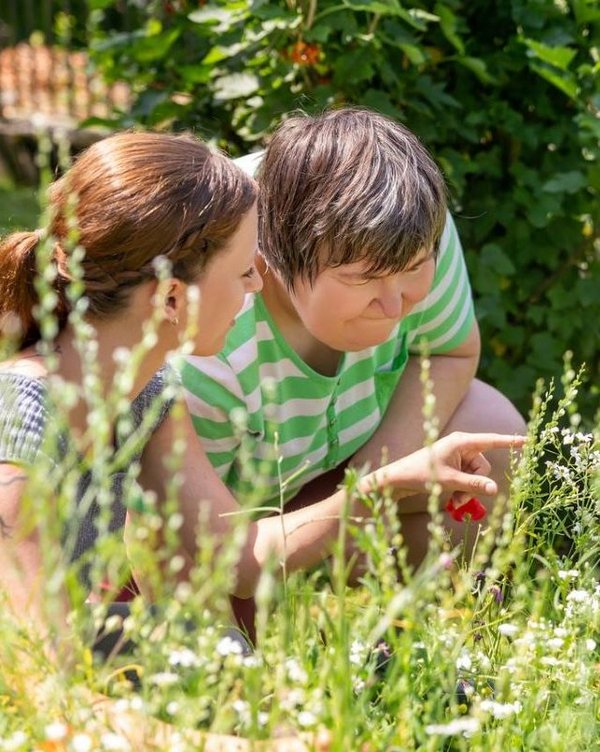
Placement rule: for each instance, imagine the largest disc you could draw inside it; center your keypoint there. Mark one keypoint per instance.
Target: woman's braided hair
(128, 199)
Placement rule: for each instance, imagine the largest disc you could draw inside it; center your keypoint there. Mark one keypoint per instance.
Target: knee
(485, 409)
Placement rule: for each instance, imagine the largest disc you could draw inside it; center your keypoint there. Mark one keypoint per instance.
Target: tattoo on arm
(4, 527)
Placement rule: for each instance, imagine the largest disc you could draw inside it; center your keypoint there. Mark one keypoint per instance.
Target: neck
(278, 301)
(109, 336)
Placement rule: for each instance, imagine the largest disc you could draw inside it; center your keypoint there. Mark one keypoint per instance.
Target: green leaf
(219, 53)
(381, 7)
(566, 182)
(565, 83)
(479, 68)
(235, 86)
(559, 57)
(448, 23)
(220, 18)
(494, 257)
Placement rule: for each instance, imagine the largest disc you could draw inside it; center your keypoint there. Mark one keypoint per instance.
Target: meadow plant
(499, 649)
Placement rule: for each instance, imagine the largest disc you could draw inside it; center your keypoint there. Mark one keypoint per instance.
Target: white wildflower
(184, 657)
(590, 644)
(172, 707)
(14, 742)
(568, 574)
(500, 709)
(295, 671)
(228, 646)
(56, 731)
(306, 719)
(114, 742)
(242, 709)
(508, 630)
(458, 726)
(81, 743)
(464, 662)
(358, 653)
(578, 596)
(164, 679)
(555, 643)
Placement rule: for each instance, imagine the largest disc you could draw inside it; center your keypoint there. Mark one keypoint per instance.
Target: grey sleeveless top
(31, 435)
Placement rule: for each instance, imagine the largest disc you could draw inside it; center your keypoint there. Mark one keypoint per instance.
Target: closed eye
(250, 273)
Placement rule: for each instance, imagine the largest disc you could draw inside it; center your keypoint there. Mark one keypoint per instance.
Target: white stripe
(243, 355)
(216, 446)
(437, 292)
(202, 409)
(300, 407)
(263, 331)
(444, 315)
(354, 394)
(280, 370)
(254, 401)
(218, 371)
(447, 335)
(250, 162)
(364, 425)
(291, 448)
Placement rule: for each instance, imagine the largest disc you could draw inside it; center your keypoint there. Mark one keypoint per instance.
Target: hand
(455, 462)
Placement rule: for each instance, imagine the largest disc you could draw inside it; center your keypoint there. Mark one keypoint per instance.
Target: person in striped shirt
(362, 266)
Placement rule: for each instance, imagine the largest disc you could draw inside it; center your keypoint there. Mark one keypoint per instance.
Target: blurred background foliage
(505, 95)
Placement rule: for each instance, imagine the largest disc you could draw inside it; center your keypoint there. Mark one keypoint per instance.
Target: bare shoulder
(25, 363)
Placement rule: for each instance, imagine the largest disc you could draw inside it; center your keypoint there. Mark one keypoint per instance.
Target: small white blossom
(184, 657)
(114, 742)
(56, 731)
(500, 709)
(81, 743)
(295, 671)
(228, 646)
(164, 679)
(464, 661)
(590, 644)
(508, 630)
(568, 574)
(555, 643)
(14, 742)
(306, 719)
(358, 653)
(458, 726)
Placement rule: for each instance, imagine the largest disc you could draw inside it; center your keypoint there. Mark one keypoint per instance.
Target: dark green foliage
(506, 95)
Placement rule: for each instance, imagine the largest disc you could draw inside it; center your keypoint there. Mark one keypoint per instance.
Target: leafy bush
(506, 95)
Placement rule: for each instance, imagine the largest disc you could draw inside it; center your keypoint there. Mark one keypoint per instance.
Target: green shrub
(506, 96)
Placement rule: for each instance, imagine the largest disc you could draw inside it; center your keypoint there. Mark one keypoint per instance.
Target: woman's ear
(174, 300)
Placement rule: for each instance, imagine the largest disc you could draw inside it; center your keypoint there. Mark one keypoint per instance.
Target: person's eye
(250, 273)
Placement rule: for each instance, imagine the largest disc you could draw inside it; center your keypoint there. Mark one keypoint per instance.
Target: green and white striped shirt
(270, 423)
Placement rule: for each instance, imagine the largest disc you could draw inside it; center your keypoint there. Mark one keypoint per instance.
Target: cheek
(418, 288)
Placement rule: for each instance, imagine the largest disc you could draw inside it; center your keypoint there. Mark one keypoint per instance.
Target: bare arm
(307, 534)
(22, 575)
(401, 430)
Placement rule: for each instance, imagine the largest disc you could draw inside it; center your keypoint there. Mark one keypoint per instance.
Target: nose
(391, 300)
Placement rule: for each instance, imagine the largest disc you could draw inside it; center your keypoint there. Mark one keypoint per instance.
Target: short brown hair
(352, 184)
(133, 197)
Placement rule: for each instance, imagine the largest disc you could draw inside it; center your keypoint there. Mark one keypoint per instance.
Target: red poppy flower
(471, 510)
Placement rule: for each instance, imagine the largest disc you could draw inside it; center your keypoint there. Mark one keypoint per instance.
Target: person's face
(348, 310)
(228, 277)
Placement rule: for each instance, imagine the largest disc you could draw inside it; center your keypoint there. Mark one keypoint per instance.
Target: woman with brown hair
(137, 225)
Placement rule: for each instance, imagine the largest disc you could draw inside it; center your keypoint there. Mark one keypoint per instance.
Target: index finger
(482, 441)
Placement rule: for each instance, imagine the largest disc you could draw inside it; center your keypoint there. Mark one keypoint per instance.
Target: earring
(175, 321)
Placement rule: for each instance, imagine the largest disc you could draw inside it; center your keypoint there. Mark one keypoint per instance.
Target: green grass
(19, 207)
(499, 650)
